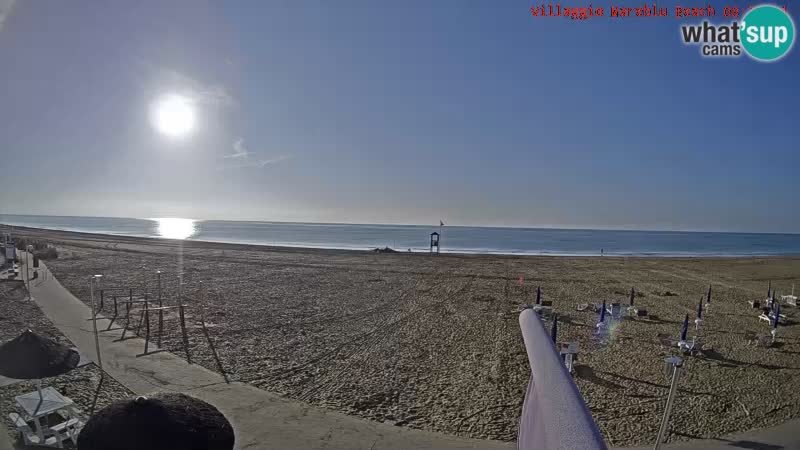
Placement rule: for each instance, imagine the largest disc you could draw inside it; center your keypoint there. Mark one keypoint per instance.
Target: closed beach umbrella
(554, 329)
(769, 290)
(538, 295)
(633, 294)
(700, 309)
(708, 298)
(33, 357)
(777, 317)
(685, 328)
(603, 312)
(162, 421)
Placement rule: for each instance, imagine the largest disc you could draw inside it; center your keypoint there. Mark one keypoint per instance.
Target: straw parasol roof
(30, 357)
(162, 421)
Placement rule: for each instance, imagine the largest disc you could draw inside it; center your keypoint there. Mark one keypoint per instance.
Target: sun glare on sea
(173, 115)
(174, 228)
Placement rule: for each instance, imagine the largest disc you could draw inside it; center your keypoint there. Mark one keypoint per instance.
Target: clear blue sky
(392, 112)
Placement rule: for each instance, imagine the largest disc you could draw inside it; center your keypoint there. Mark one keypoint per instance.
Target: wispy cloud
(202, 93)
(267, 162)
(258, 164)
(239, 150)
(242, 158)
(5, 10)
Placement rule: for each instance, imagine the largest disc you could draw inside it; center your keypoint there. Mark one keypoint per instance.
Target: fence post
(183, 320)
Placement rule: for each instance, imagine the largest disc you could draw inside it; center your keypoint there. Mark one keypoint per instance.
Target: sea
(416, 238)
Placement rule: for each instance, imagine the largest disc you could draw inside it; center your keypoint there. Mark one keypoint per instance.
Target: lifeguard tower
(435, 242)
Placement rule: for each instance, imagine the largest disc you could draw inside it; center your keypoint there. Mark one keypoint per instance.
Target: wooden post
(92, 281)
(141, 317)
(111, 322)
(127, 319)
(146, 325)
(205, 332)
(183, 322)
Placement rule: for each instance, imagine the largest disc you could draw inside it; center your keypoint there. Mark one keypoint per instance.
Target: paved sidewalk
(260, 419)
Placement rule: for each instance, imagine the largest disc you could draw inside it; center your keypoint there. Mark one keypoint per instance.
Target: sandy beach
(434, 343)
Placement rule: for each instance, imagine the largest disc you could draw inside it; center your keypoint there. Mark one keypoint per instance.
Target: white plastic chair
(67, 430)
(29, 437)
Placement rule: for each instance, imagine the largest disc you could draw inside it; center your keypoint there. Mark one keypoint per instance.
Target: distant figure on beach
(601, 252)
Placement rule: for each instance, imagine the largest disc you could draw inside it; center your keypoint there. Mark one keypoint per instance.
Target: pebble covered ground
(434, 342)
(82, 385)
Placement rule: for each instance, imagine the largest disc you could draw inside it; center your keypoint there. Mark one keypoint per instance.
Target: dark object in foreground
(32, 357)
(163, 421)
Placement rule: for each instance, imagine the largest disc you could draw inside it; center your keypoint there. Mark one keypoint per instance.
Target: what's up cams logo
(765, 33)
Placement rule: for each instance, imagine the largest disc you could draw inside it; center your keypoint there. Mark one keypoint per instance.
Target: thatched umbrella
(162, 421)
(32, 357)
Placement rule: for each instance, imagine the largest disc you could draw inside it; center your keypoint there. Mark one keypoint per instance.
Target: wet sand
(434, 342)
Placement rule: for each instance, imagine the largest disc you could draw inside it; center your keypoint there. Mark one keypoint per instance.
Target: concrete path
(260, 419)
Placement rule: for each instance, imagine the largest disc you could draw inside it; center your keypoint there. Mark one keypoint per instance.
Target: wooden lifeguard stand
(435, 242)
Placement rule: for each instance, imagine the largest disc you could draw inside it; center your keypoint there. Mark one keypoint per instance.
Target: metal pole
(94, 322)
(160, 311)
(144, 283)
(673, 390)
(25, 275)
(27, 271)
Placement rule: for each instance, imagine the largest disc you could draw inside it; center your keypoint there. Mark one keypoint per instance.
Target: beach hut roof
(435, 232)
(162, 421)
(31, 357)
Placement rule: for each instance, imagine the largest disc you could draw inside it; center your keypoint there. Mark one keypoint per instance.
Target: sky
(472, 112)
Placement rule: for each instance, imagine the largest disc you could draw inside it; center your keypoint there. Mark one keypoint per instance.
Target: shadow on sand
(713, 355)
(588, 374)
(737, 444)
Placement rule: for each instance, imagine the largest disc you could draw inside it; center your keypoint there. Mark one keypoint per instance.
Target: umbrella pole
(41, 398)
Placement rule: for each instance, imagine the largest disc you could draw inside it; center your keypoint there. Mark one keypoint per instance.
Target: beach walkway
(260, 419)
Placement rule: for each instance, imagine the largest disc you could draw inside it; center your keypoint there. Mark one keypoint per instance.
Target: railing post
(677, 364)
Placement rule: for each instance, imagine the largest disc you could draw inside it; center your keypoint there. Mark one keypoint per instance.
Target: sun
(175, 228)
(173, 115)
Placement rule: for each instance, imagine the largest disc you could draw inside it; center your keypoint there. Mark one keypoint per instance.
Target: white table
(51, 401)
